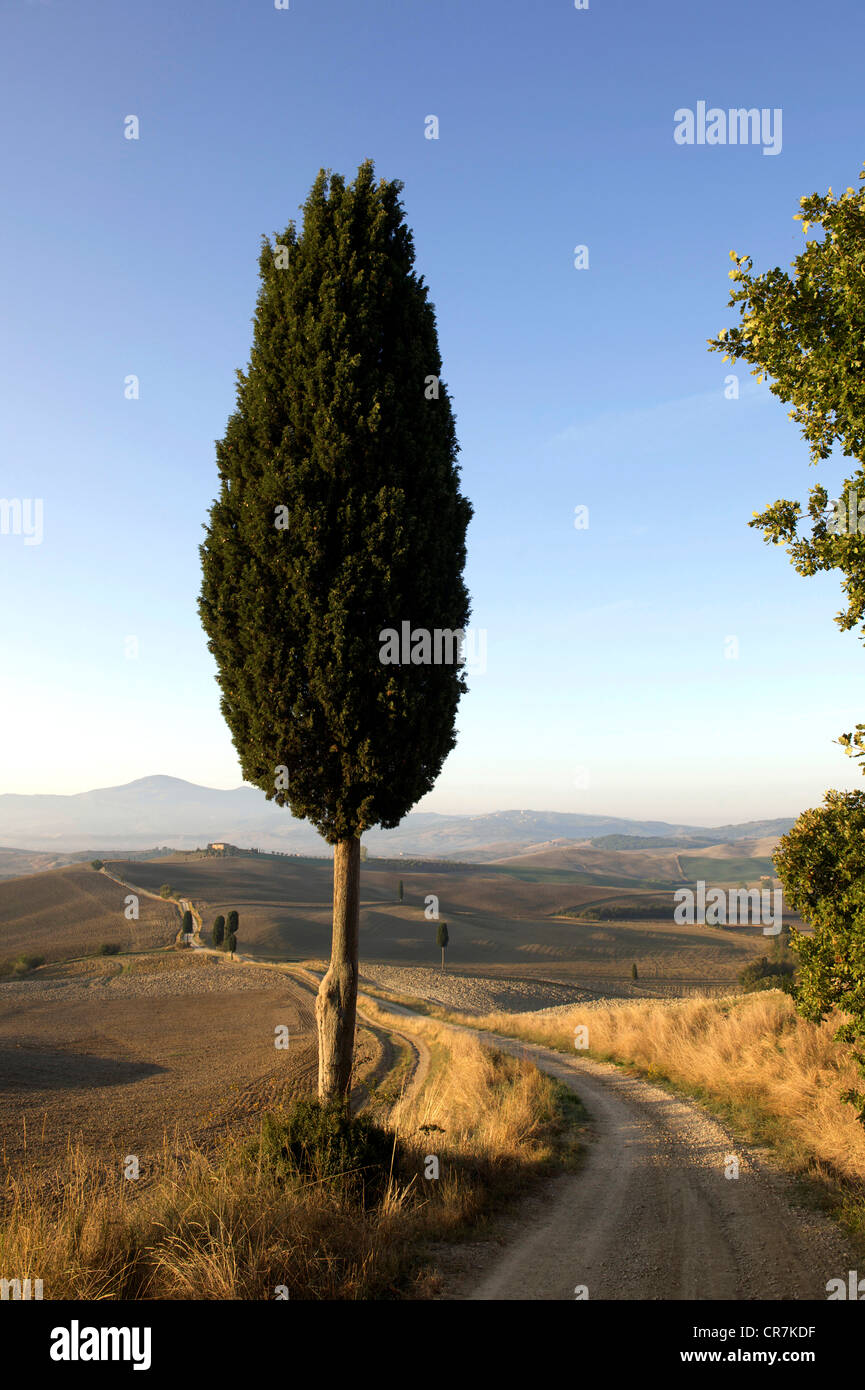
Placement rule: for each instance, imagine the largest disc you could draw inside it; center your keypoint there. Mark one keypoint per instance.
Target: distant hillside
(647, 842)
(73, 911)
(14, 862)
(499, 917)
(167, 811)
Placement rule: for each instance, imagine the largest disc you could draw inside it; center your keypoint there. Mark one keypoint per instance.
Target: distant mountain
(156, 811)
(153, 811)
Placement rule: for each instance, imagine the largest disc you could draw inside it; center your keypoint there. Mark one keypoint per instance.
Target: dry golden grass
(204, 1228)
(490, 1105)
(752, 1054)
(222, 1226)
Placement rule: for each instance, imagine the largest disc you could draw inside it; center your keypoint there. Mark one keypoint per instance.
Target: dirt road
(651, 1214)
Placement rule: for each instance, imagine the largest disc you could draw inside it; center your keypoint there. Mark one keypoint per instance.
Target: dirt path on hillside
(650, 1213)
(417, 1050)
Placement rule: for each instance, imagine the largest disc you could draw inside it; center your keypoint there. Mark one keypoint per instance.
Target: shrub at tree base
(324, 1143)
(109, 948)
(768, 974)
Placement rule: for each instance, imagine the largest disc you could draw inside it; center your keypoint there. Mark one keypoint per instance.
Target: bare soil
(73, 911)
(123, 1056)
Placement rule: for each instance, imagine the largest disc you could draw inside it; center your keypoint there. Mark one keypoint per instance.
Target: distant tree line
(620, 912)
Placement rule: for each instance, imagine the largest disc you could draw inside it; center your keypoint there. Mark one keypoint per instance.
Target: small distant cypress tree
(442, 939)
(339, 521)
(232, 925)
(634, 975)
(218, 933)
(400, 890)
(187, 925)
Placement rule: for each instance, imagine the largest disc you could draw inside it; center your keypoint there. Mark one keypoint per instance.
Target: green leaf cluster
(821, 864)
(805, 332)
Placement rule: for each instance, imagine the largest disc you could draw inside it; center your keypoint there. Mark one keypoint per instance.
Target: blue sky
(607, 687)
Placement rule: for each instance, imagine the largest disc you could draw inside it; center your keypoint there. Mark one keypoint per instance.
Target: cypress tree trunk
(336, 1003)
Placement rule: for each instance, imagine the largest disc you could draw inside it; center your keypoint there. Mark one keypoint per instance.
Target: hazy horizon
(592, 812)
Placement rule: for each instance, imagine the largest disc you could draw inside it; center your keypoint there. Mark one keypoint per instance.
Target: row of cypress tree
(224, 934)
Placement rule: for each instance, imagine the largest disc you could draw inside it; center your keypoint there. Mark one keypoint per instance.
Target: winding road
(651, 1214)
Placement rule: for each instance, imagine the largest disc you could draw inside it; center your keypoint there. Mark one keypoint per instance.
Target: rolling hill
(72, 911)
(502, 919)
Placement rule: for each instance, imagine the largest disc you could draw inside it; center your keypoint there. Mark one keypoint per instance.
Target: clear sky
(608, 685)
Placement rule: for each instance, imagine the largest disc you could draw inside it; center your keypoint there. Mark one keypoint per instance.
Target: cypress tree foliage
(400, 891)
(231, 925)
(339, 517)
(217, 936)
(442, 939)
(231, 943)
(187, 925)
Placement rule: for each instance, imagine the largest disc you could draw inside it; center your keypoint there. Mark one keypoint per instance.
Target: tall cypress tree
(339, 518)
(442, 939)
(232, 926)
